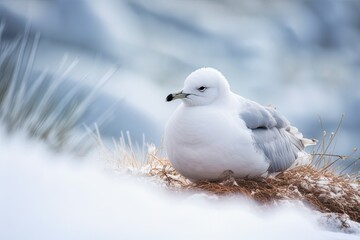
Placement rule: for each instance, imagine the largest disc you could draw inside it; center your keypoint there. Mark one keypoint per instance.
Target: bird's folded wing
(271, 134)
(258, 116)
(279, 147)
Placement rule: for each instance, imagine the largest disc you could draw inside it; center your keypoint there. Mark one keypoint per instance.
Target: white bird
(214, 131)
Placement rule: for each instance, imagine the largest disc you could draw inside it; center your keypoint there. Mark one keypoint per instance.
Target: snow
(46, 195)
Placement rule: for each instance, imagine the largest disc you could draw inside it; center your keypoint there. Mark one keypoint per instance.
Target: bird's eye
(202, 88)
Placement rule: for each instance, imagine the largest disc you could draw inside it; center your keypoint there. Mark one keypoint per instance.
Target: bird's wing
(278, 145)
(272, 135)
(258, 116)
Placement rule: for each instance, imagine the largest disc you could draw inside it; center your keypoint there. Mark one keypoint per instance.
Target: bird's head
(202, 87)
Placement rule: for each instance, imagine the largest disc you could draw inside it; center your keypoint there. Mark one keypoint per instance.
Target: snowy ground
(50, 196)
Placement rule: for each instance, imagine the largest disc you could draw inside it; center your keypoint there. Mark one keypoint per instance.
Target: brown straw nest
(323, 190)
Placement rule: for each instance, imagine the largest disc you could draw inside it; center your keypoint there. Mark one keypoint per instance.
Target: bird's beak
(174, 96)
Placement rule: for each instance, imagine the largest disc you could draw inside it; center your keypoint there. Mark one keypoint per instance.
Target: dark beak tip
(169, 98)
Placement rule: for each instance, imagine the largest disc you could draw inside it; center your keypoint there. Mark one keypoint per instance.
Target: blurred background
(69, 68)
(301, 56)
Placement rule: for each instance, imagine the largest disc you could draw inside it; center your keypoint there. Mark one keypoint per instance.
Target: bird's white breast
(202, 142)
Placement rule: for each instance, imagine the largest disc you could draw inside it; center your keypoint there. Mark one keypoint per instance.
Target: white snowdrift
(44, 195)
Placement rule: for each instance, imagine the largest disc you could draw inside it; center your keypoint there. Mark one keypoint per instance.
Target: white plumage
(214, 130)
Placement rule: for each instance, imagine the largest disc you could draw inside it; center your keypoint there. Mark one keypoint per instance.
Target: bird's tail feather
(305, 141)
(308, 142)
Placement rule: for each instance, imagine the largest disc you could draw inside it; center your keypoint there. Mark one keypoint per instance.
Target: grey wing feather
(271, 134)
(281, 121)
(255, 116)
(279, 146)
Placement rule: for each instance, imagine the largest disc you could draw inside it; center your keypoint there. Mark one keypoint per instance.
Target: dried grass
(323, 190)
(47, 106)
